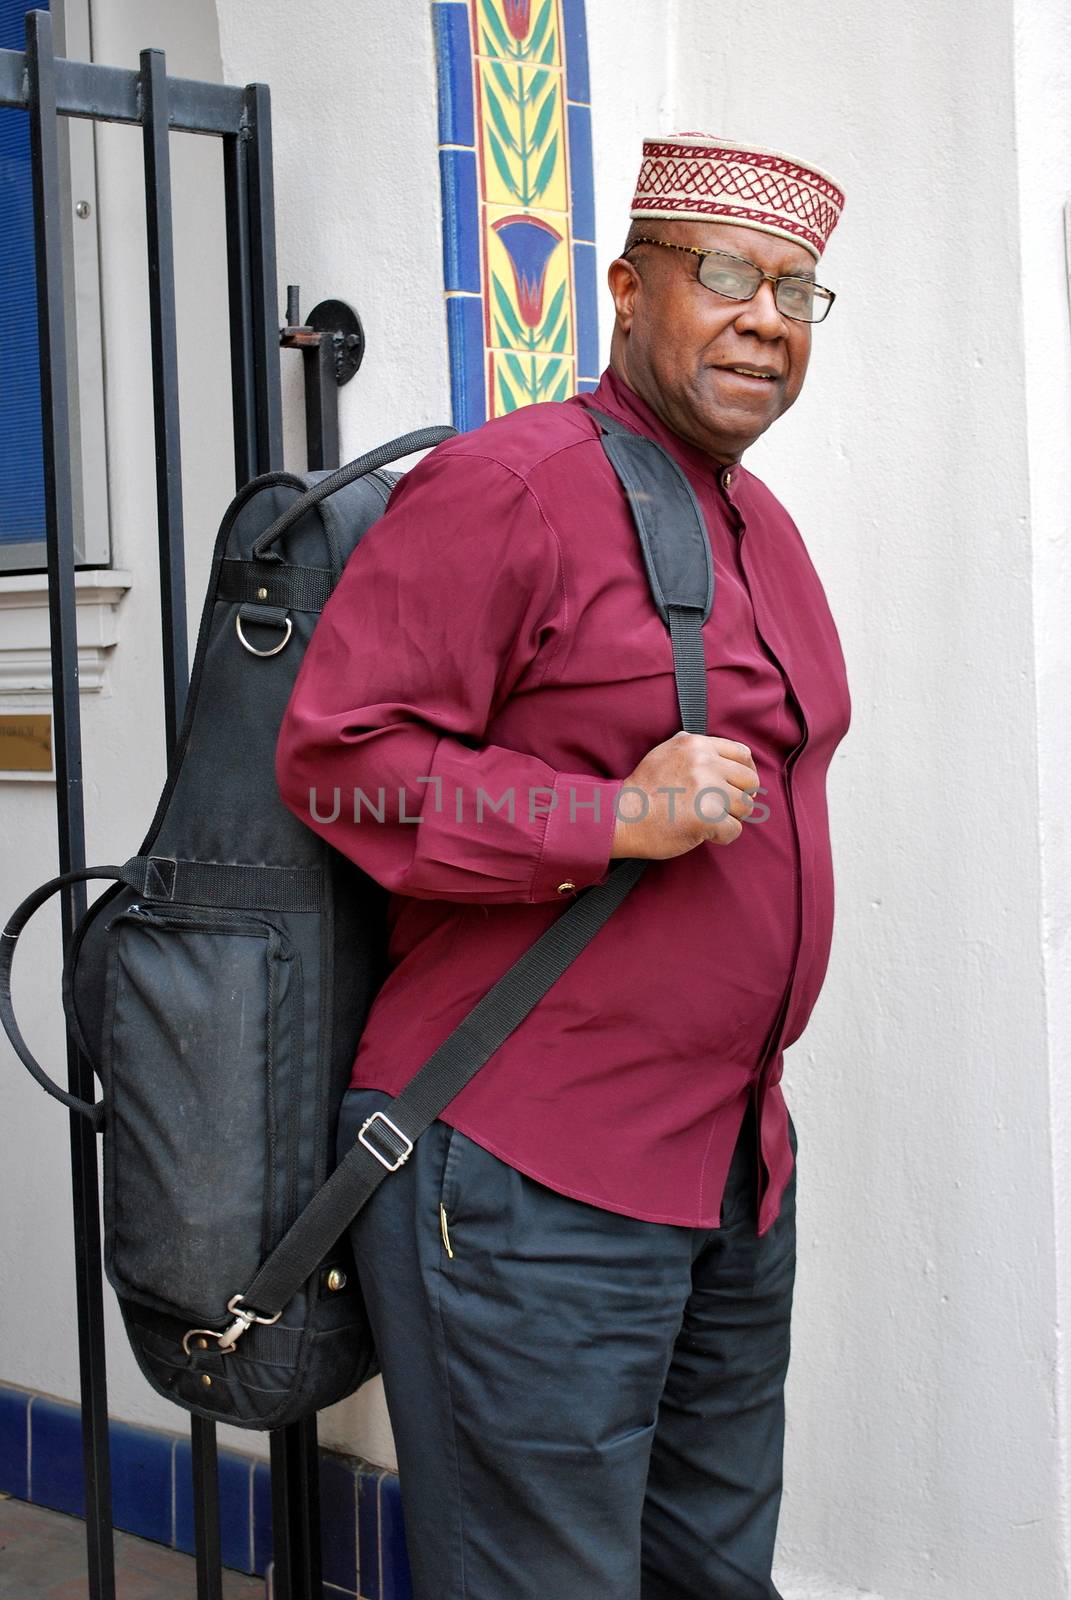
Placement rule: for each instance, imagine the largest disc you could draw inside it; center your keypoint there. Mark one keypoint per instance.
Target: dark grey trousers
(585, 1406)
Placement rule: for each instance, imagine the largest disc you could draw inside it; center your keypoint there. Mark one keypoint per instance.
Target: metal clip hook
(227, 1340)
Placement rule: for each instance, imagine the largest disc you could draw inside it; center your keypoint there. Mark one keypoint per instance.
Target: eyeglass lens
(795, 297)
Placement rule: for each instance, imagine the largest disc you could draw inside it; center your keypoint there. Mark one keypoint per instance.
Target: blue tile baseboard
(364, 1554)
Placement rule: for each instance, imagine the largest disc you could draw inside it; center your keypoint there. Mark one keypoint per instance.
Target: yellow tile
(519, 30)
(522, 130)
(529, 280)
(518, 379)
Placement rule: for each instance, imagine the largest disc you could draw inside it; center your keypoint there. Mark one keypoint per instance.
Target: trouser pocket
(202, 1073)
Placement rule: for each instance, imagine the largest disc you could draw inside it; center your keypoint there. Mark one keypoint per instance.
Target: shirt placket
(772, 1046)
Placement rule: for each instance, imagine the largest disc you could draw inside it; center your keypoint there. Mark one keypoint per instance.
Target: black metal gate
(47, 88)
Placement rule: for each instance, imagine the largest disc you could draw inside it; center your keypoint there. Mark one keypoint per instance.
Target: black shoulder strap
(676, 552)
(676, 549)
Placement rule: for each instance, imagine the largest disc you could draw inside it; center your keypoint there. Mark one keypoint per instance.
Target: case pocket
(202, 1072)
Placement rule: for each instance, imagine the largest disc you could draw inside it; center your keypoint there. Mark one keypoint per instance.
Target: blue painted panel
(468, 381)
(587, 313)
(581, 182)
(22, 480)
(457, 121)
(461, 238)
(14, 1422)
(577, 77)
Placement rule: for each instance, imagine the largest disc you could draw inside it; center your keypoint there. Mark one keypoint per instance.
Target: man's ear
(624, 283)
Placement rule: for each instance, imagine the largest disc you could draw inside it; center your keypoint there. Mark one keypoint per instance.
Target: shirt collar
(614, 396)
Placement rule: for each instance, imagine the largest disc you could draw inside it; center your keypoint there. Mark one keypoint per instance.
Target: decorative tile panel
(518, 203)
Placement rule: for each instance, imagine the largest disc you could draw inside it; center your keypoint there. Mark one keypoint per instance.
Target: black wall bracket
(331, 341)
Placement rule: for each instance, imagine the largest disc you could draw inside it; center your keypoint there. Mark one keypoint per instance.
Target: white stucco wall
(1043, 136)
(923, 1455)
(926, 465)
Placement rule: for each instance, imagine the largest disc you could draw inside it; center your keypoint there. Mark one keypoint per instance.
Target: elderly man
(581, 1282)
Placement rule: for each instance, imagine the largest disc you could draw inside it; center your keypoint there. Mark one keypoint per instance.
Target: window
(22, 513)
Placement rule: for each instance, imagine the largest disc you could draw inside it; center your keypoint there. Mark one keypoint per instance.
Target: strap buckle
(161, 873)
(385, 1158)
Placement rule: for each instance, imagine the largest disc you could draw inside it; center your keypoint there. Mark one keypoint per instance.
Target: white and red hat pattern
(698, 177)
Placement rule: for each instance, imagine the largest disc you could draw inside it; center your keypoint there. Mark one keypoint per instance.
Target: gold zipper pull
(445, 1230)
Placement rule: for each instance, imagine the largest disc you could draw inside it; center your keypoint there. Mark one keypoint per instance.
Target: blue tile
(468, 379)
(141, 1481)
(397, 1581)
(56, 1456)
(461, 232)
(577, 79)
(587, 313)
(235, 1491)
(14, 1464)
(454, 53)
(368, 1535)
(586, 385)
(338, 1520)
(580, 169)
(262, 1534)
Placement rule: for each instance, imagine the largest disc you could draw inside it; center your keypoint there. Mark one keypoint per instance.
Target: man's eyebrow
(789, 272)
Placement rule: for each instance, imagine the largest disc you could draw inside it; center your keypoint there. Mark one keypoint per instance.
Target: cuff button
(567, 887)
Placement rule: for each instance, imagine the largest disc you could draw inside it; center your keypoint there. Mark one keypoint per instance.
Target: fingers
(717, 801)
(734, 751)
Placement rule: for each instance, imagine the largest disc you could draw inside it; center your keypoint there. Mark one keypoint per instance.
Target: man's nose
(760, 314)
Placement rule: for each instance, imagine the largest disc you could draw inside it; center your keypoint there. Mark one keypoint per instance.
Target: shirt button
(567, 887)
(727, 479)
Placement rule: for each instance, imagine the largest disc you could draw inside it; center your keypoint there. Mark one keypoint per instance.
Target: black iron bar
(240, 299)
(265, 286)
(59, 540)
(295, 1469)
(295, 1504)
(204, 1467)
(321, 404)
(204, 1461)
(164, 345)
(110, 94)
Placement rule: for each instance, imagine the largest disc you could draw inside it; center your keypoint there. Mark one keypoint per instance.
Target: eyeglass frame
(792, 277)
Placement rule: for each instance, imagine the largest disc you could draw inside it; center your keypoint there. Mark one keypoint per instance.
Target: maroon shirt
(494, 631)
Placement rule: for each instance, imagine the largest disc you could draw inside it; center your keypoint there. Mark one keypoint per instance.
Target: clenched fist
(692, 788)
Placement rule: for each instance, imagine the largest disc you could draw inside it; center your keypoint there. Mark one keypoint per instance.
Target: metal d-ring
(274, 651)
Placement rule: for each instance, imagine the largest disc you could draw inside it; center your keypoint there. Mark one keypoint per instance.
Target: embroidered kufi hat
(699, 177)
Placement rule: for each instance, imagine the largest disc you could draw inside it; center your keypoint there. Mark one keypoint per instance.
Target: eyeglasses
(739, 279)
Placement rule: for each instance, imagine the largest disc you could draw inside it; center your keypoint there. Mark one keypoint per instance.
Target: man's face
(676, 341)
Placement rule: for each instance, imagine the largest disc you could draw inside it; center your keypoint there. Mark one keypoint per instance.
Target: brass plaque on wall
(25, 742)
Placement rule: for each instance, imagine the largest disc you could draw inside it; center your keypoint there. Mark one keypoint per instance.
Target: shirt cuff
(579, 834)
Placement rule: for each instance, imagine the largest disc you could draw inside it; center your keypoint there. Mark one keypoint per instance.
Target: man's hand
(697, 787)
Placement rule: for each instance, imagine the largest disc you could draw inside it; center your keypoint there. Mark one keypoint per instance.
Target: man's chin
(723, 434)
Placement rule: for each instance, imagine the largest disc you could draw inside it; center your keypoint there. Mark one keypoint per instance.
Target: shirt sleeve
(451, 600)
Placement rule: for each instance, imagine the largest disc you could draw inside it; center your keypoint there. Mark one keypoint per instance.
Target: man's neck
(716, 459)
